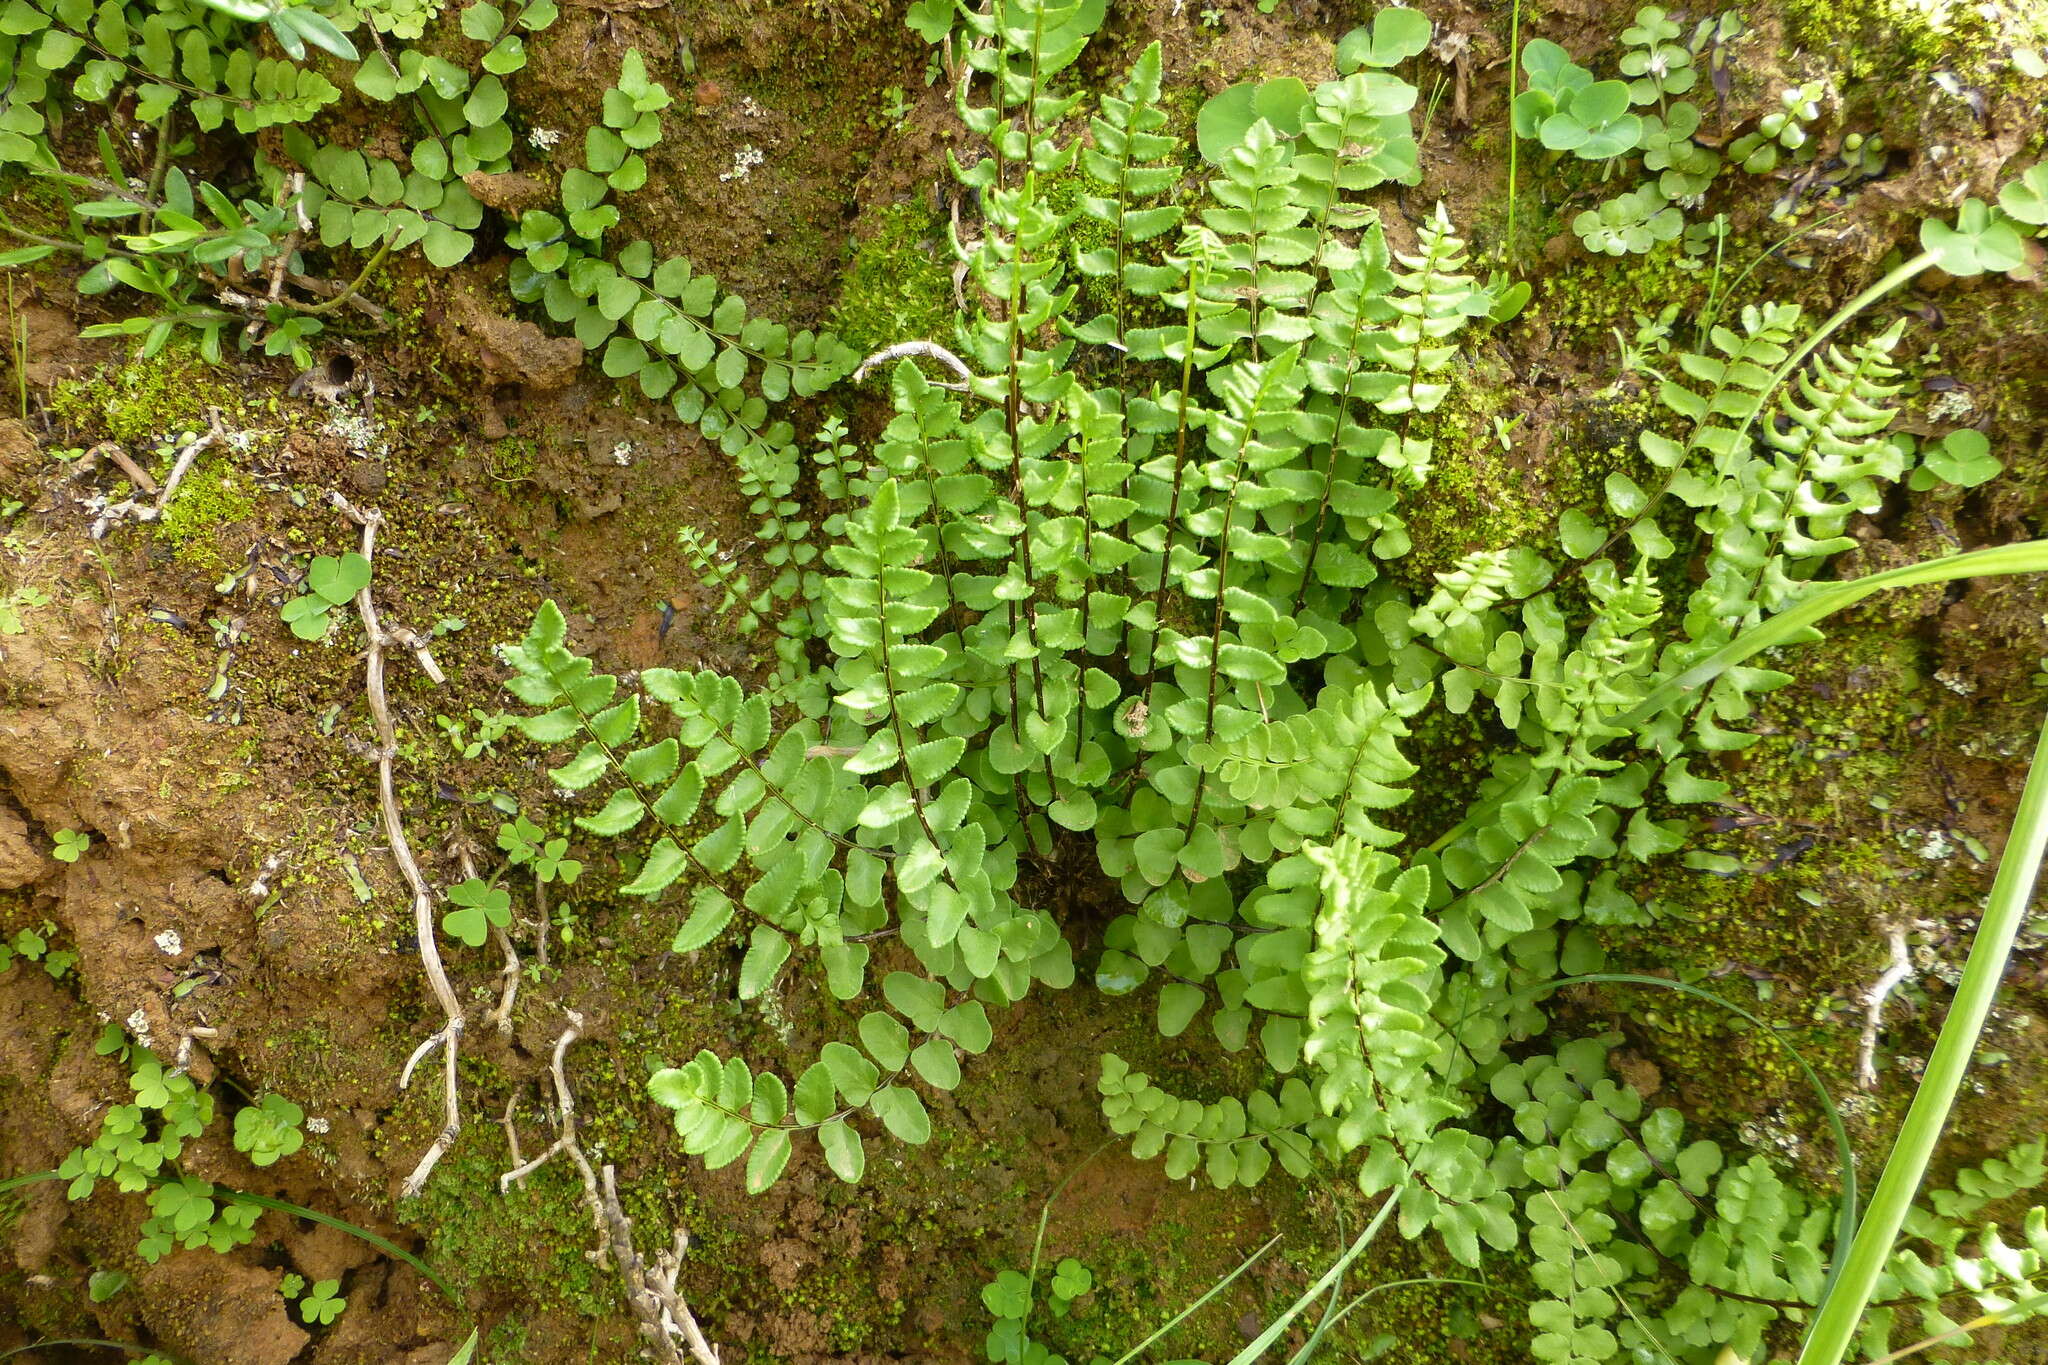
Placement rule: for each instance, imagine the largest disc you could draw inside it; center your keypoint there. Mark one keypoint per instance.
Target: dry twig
(665, 1320)
(1900, 968)
(131, 509)
(929, 349)
(450, 1034)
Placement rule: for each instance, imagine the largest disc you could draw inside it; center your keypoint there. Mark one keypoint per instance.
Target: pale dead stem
(665, 1320)
(450, 1034)
(929, 349)
(133, 509)
(1900, 967)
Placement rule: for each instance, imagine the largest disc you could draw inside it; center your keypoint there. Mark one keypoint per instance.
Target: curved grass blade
(1259, 1344)
(1184, 1314)
(2027, 556)
(1841, 1308)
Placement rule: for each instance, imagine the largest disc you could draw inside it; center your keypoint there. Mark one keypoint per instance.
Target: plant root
(449, 1036)
(666, 1322)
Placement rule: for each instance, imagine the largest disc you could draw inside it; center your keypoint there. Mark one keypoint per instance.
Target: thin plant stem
(1841, 1310)
(1045, 1215)
(1514, 89)
(1184, 1314)
(1259, 1345)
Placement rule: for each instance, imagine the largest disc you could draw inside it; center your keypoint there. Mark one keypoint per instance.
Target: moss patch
(899, 286)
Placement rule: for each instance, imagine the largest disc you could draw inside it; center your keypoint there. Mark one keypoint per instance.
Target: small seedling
(482, 905)
(12, 605)
(331, 582)
(1629, 223)
(525, 843)
(292, 1285)
(1963, 459)
(1658, 65)
(269, 1130)
(322, 1304)
(490, 728)
(71, 845)
(103, 1285)
(33, 945)
(1781, 129)
(1070, 1280)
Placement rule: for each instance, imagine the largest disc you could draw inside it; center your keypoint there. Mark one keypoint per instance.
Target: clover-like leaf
(2025, 198)
(335, 580)
(1981, 241)
(480, 905)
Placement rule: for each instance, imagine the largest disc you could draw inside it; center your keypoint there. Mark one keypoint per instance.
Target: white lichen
(1953, 406)
(1934, 846)
(363, 435)
(544, 139)
(170, 943)
(743, 162)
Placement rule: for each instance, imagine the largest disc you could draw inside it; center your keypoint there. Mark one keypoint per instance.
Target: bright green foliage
(1784, 129)
(137, 1149)
(1562, 105)
(1630, 223)
(1981, 240)
(322, 1304)
(269, 1129)
(527, 845)
(331, 582)
(1657, 64)
(1124, 592)
(172, 238)
(33, 945)
(180, 53)
(2025, 199)
(1009, 1299)
(70, 845)
(480, 907)
(667, 327)
(1962, 458)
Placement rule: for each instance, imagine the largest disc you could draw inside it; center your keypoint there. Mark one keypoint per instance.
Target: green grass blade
(1841, 1310)
(2012, 1311)
(1306, 1353)
(1259, 1344)
(2027, 556)
(1184, 1314)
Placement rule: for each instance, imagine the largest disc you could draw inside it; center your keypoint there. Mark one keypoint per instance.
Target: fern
(1122, 592)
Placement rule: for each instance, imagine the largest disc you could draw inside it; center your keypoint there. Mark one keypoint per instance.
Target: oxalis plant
(1118, 595)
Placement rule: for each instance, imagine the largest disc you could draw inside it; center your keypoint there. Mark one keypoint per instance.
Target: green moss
(1898, 39)
(899, 286)
(529, 1241)
(1598, 293)
(215, 494)
(143, 400)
